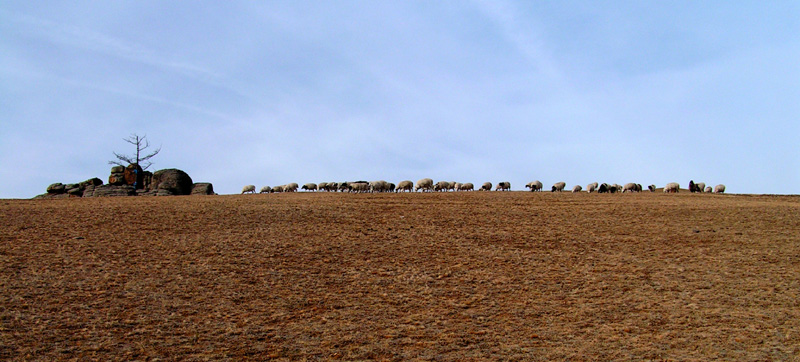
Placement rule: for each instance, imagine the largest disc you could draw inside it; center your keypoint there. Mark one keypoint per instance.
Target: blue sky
(271, 92)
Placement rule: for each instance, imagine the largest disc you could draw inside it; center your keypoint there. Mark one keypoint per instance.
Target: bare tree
(141, 144)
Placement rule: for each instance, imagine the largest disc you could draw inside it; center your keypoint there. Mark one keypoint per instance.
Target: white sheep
(249, 189)
(310, 187)
(558, 186)
(708, 189)
(405, 185)
(503, 186)
(701, 186)
(425, 184)
(466, 187)
(487, 186)
(672, 187)
(278, 188)
(535, 185)
(629, 187)
(652, 188)
(592, 187)
(719, 189)
(577, 188)
(441, 186)
(266, 190)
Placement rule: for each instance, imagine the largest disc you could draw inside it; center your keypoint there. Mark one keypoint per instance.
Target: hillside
(453, 277)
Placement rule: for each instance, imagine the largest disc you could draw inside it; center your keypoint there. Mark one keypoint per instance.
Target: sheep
(405, 185)
(638, 187)
(249, 189)
(708, 189)
(266, 190)
(441, 186)
(278, 188)
(652, 188)
(322, 186)
(577, 188)
(592, 187)
(615, 188)
(310, 187)
(379, 186)
(466, 187)
(719, 189)
(425, 184)
(291, 187)
(672, 187)
(535, 185)
(701, 186)
(452, 186)
(358, 186)
(558, 186)
(603, 188)
(503, 186)
(487, 186)
(629, 187)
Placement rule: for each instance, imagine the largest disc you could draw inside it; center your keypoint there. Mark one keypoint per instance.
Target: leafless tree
(141, 144)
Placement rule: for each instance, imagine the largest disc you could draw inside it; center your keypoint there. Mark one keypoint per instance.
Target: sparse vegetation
(446, 276)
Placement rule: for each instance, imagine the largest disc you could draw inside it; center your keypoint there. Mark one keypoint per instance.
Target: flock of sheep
(427, 185)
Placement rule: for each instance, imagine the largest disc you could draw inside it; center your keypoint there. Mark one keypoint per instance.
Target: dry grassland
(446, 277)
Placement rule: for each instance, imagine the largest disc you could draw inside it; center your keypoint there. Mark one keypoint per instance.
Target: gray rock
(109, 190)
(175, 181)
(203, 188)
(56, 188)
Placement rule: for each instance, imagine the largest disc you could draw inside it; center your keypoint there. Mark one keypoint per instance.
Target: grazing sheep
(322, 186)
(652, 188)
(487, 186)
(672, 187)
(278, 188)
(615, 188)
(692, 188)
(358, 187)
(466, 187)
(310, 187)
(291, 187)
(441, 186)
(629, 187)
(425, 184)
(379, 186)
(535, 185)
(592, 187)
(457, 186)
(249, 189)
(405, 185)
(603, 188)
(503, 186)
(577, 188)
(701, 186)
(719, 189)
(708, 189)
(266, 190)
(638, 187)
(558, 186)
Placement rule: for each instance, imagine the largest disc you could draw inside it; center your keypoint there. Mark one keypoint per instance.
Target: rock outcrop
(171, 182)
(132, 181)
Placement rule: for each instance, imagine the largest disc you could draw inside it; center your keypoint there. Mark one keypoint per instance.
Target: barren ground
(452, 277)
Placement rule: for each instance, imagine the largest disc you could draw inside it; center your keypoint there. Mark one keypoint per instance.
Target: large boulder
(56, 188)
(109, 190)
(134, 175)
(171, 182)
(203, 188)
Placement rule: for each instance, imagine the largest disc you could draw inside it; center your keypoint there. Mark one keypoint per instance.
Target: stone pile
(132, 181)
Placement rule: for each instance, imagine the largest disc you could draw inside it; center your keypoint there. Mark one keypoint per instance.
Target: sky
(272, 92)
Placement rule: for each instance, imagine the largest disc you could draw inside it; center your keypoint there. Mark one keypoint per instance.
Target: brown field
(451, 277)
